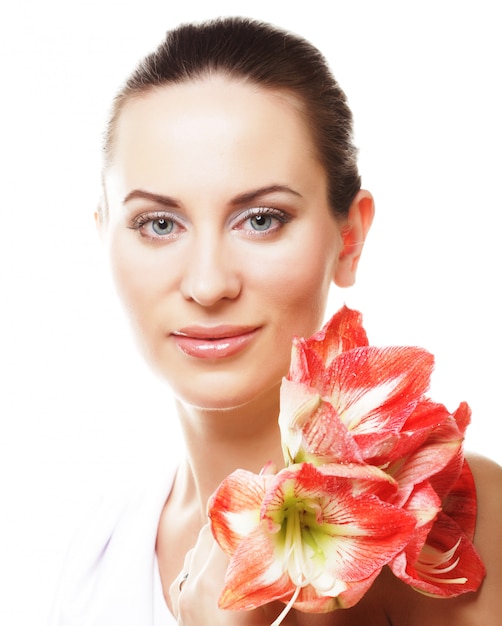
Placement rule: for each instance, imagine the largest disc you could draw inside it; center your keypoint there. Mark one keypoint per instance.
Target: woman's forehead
(219, 137)
(214, 114)
(209, 102)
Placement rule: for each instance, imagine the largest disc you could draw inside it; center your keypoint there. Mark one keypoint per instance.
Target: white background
(79, 412)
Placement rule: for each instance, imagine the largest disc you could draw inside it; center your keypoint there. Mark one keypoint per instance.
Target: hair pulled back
(268, 57)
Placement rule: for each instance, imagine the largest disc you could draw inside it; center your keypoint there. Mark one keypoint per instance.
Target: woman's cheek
(298, 281)
(136, 277)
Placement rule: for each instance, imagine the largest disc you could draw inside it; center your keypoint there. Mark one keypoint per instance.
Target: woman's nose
(210, 274)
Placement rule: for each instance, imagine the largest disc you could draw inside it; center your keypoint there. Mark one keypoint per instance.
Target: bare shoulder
(488, 536)
(487, 474)
(471, 609)
(487, 602)
(485, 606)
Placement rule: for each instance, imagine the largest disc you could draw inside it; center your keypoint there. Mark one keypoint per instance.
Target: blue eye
(156, 226)
(264, 221)
(261, 222)
(162, 226)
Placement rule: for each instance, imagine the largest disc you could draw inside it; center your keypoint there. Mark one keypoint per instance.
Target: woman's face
(221, 239)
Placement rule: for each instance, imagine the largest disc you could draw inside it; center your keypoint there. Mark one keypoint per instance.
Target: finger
(210, 563)
(177, 585)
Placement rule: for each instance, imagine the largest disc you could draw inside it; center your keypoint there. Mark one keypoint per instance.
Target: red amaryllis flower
(374, 475)
(358, 395)
(315, 535)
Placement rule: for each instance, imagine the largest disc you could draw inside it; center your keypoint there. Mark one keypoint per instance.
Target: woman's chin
(216, 403)
(227, 399)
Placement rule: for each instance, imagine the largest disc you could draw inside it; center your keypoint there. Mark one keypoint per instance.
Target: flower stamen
(287, 608)
(432, 563)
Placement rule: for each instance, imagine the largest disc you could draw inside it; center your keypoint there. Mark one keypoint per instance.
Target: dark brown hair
(266, 56)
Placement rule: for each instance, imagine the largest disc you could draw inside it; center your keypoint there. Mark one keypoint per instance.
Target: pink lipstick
(218, 342)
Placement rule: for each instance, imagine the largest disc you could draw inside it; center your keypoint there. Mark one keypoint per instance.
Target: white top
(111, 577)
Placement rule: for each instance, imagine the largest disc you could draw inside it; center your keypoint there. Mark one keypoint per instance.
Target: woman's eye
(162, 226)
(155, 226)
(262, 220)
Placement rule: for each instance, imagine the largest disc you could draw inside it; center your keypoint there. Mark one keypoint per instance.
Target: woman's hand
(195, 598)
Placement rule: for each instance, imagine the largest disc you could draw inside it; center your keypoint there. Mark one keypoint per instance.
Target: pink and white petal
(313, 432)
(327, 440)
(355, 591)
(357, 533)
(362, 478)
(300, 365)
(298, 404)
(362, 535)
(425, 505)
(310, 602)
(234, 508)
(344, 597)
(421, 422)
(429, 461)
(357, 472)
(256, 573)
(341, 333)
(331, 480)
(375, 389)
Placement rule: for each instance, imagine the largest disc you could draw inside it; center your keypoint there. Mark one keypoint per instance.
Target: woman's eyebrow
(154, 197)
(242, 198)
(255, 194)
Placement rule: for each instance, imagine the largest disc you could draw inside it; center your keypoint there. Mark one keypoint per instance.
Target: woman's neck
(219, 442)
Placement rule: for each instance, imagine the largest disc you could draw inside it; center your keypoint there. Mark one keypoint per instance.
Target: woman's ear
(101, 212)
(101, 216)
(353, 233)
(98, 221)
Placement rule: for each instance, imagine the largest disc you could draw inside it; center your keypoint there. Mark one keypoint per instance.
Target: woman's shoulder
(488, 480)
(487, 539)
(470, 609)
(483, 468)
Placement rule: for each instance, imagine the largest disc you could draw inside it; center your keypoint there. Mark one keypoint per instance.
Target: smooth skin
(217, 218)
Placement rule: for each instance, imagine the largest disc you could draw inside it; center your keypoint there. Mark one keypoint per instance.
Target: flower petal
(255, 575)
(343, 332)
(309, 600)
(437, 461)
(311, 429)
(315, 533)
(353, 534)
(460, 502)
(234, 508)
(448, 564)
(463, 416)
(375, 475)
(400, 443)
(425, 505)
(376, 389)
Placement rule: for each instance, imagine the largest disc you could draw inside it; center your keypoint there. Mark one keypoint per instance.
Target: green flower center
(302, 533)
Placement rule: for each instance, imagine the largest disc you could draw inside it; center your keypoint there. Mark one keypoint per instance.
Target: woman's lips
(214, 343)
